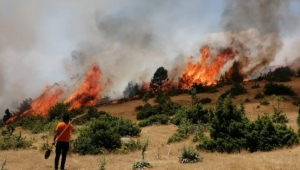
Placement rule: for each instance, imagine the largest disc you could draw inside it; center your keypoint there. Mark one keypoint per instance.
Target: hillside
(287, 158)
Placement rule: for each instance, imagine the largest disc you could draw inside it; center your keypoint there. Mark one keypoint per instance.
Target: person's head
(66, 118)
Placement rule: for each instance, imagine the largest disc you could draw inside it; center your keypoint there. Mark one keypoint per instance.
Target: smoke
(44, 42)
(264, 15)
(132, 41)
(256, 29)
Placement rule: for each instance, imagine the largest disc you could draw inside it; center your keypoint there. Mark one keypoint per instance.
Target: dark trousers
(62, 149)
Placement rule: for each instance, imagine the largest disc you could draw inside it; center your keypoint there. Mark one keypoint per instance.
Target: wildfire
(48, 98)
(87, 93)
(42, 104)
(206, 69)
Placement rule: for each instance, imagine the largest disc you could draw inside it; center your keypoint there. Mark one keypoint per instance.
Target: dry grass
(286, 158)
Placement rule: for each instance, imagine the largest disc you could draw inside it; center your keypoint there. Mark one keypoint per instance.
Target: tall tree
(159, 78)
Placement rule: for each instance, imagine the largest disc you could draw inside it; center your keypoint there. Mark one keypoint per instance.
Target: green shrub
(279, 117)
(168, 108)
(259, 95)
(189, 155)
(235, 90)
(35, 124)
(231, 131)
(162, 119)
(13, 141)
(142, 164)
(205, 100)
(58, 110)
(278, 89)
(265, 102)
(227, 128)
(104, 132)
(263, 135)
(195, 114)
(162, 98)
(185, 129)
(282, 74)
(129, 146)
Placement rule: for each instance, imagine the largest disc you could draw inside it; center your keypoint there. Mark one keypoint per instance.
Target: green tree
(160, 77)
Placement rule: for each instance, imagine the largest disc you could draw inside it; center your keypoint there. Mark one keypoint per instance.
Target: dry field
(285, 159)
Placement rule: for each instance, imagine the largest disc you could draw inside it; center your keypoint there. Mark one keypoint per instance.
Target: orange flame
(48, 98)
(206, 69)
(87, 94)
(42, 104)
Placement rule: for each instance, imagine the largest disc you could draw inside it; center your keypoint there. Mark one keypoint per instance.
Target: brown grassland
(286, 158)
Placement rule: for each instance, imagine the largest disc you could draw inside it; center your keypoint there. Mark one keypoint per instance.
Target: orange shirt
(66, 135)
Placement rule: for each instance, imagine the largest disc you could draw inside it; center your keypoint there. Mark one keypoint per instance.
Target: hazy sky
(45, 42)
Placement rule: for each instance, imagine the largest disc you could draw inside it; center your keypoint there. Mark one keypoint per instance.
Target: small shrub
(235, 90)
(259, 95)
(104, 132)
(279, 117)
(142, 164)
(265, 102)
(205, 100)
(102, 163)
(189, 156)
(184, 130)
(168, 108)
(129, 146)
(162, 119)
(14, 142)
(278, 89)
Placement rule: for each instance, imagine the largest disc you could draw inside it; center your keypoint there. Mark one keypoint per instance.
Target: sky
(46, 42)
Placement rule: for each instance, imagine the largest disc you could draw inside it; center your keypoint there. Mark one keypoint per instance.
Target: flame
(87, 94)
(43, 103)
(206, 69)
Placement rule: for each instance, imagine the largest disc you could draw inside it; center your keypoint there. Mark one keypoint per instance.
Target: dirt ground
(165, 157)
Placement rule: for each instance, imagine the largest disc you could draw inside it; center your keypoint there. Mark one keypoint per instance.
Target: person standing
(61, 141)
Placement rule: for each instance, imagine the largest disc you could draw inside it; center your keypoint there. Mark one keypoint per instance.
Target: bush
(147, 110)
(189, 156)
(184, 130)
(58, 110)
(162, 119)
(235, 90)
(162, 98)
(129, 146)
(279, 117)
(13, 141)
(104, 132)
(265, 102)
(259, 95)
(205, 100)
(195, 114)
(231, 131)
(263, 135)
(282, 74)
(35, 124)
(272, 88)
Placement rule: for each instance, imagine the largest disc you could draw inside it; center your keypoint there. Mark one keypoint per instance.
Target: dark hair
(66, 118)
